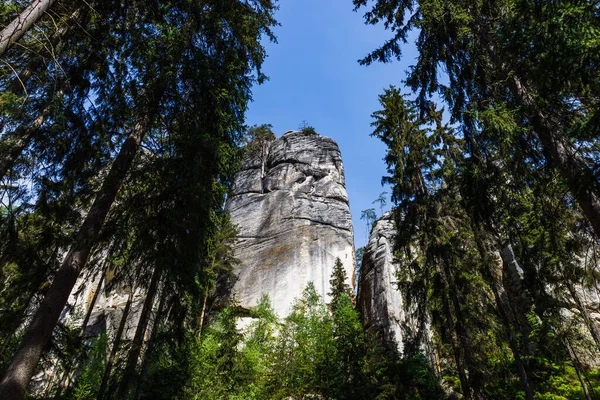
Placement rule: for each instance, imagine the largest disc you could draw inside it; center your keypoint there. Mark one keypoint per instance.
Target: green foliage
(381, 200)
(370, 216)
(88, 381)
(306, 128)
(316, 351)
(338, 284)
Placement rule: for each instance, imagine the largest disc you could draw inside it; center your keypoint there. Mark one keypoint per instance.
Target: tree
(456, 207)
(338, 284)
(370, 217)
(304, 356)
(23, 23)
(151, 67)
(499, 59)
(381, 200)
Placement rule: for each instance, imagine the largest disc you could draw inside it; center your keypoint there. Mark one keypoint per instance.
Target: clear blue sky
(315, 76)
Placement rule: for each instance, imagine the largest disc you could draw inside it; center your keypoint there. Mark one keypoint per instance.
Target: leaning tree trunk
(23, 23)
(509, 324)
(38, 334)
(136, 345)
(578, 369)
(64, 381)
(560, 152)
(115, 347)
(37, 60)
(595, 332)
(151, 342)
(203, 313)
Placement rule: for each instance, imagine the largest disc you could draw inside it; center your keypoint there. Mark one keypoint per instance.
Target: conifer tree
(523, 63)
(156, 71)
(338, 284)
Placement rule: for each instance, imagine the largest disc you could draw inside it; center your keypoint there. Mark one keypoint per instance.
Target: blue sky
(315, 77)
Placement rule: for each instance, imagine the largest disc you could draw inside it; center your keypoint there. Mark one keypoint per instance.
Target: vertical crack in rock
(291, 208)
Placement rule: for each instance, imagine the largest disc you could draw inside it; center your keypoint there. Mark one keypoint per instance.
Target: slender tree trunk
(64, 381)
(493, 275)
(577, 367)
(512, 342)
(88, 313)
(38, 334)
(115, 348)
(585, 314)
(23, 23)
(150, 345)
(456, 349)
(136, 345)
(203, 313)
(37, 61)
(581, 180)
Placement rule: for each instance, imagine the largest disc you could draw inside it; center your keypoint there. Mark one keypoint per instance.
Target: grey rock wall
(379, 301)
(291, 208)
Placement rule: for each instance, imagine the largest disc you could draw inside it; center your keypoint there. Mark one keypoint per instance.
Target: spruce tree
(338, 284)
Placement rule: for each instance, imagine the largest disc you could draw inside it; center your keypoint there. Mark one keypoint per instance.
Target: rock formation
(381, 304)
(379, 300)
(291, 207)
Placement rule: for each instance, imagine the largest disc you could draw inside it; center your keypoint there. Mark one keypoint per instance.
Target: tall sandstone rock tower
(291, 207)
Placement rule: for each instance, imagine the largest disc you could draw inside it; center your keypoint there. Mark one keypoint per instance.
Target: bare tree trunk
(577, 366)
(585, 314)
(64, 381)
(560, 152)
(203, 313)
(458, 356)
(494, 274)
(512, 342)
(38, 334)
(88, 313)
(115, 347)
(20, 25)
(150, 345)
(136, 345)
(37, 61)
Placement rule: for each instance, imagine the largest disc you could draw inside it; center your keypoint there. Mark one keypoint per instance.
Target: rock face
(291, 208)
(379, 301)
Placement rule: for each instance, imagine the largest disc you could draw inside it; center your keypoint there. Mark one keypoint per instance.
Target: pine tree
(338, 284)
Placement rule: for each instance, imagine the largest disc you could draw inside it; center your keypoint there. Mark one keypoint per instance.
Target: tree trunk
(585, 314)
(88, 312)
(64, 381)
(560, 152)
(458, 356)
(512, 342)
(577, 366)
(150, 346)
(39, 332)
(115, 347)
(494, 275)
(20, 25)
(203, 313)
(136, 345)
(37, 61)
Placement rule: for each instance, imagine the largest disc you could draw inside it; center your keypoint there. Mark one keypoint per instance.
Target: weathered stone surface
(379, 301)
(291, 207)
